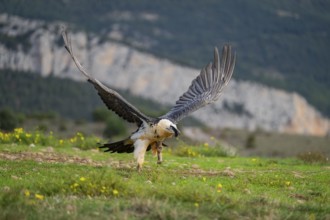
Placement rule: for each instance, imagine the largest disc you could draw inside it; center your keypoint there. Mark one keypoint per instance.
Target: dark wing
(111, 98)
(207, 87)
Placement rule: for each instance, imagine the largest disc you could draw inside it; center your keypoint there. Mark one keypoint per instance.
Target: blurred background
(277, 104)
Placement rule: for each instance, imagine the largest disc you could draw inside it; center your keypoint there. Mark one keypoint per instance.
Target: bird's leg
(140, 161)
(140, 147)
(154, 149)
(159, 152)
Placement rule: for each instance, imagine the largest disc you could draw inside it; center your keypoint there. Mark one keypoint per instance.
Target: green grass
(62, 182)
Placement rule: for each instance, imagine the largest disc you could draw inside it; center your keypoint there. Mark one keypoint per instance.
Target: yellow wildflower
(36, 139)
(39, 196)
(27, 135)
(18, 130)
(27, 193)
(61, 141)
(204, 179)
(206, 144)
(103, 189)
(219, 188)
(287, 183)
(82, 179)
(196, 204)
(81, 136)
(75, 185)
(115, 192)
(254, 160)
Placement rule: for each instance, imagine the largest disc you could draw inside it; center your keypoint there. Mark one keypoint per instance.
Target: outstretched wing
(207, 87)
(111, 98)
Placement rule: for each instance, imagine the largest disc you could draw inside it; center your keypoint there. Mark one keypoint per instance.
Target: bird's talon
(139, 168)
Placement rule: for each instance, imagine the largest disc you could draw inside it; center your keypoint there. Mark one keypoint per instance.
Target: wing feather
(203, 79)
(113, 100)
(207, 87)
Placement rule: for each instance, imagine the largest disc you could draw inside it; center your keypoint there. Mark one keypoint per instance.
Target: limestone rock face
(243, 104)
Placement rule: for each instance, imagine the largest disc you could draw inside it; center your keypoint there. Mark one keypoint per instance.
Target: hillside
(244, 105)
(30, 93)
(283, 44)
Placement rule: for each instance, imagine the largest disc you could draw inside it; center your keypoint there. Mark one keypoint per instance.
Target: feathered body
(151, 132)
(148, 136)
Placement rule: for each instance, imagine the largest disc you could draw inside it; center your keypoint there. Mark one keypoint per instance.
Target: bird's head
(168, 127)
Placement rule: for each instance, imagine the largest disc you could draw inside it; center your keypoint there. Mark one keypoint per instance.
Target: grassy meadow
(44, 177)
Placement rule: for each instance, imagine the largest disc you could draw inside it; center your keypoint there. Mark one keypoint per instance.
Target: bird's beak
(175, 130)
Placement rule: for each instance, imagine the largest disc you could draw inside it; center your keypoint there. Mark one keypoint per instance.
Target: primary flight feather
(204, 89)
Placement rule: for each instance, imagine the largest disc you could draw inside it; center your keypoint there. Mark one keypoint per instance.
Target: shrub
(62, 126)
(115, 126)
(8, 120)
(251, 141)
(100, 114)
(313, 157)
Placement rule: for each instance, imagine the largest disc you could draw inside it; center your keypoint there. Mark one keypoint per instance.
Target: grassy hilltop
(43, 177)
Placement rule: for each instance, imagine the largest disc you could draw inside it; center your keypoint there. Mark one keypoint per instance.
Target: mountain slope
(280, 43)
(243, 105)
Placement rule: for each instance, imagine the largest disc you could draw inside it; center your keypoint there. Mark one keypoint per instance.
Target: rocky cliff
(36, 46)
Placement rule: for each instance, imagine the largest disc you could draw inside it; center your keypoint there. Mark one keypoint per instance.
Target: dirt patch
(199, 172)
(50, 157)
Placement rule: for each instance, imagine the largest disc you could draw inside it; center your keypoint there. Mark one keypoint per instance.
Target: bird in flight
(151, 133)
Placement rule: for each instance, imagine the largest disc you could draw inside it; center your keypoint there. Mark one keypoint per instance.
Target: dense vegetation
(43, 177)
(31, 93)
(281, 43)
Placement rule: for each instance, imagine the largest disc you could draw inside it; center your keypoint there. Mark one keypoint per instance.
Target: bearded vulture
(204, 89)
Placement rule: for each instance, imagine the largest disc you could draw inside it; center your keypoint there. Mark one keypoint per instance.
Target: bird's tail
(123, 146)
